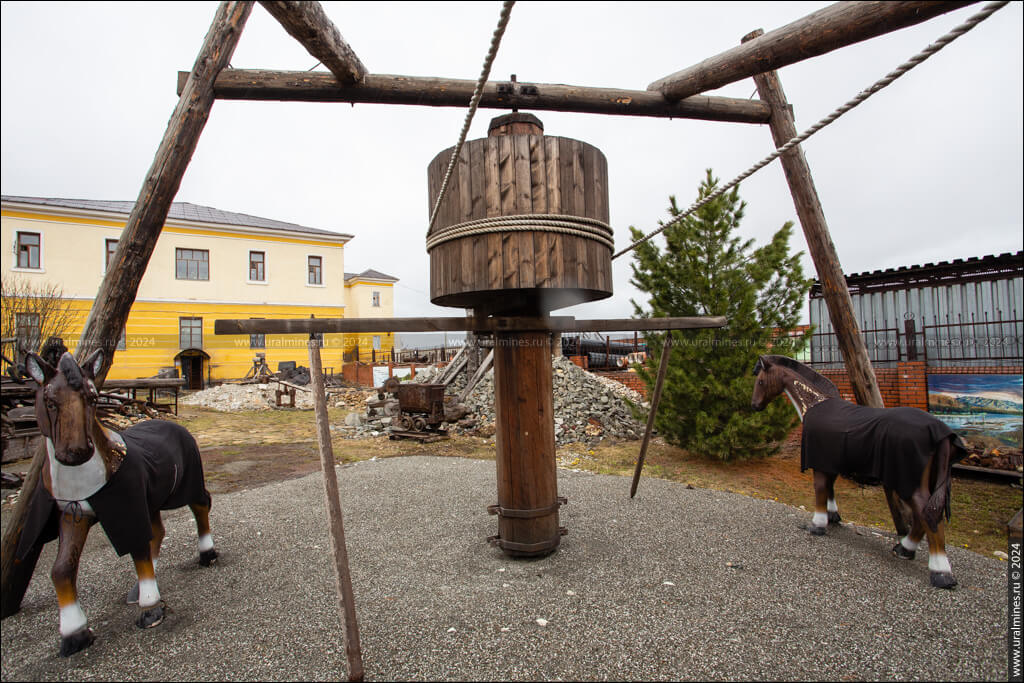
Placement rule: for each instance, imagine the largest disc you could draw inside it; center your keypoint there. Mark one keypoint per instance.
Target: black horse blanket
(888, 446)
(162, 470)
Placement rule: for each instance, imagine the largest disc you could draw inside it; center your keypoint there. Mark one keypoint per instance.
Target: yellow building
(207, 264)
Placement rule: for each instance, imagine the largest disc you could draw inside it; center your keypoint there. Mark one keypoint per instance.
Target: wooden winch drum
(518, 172)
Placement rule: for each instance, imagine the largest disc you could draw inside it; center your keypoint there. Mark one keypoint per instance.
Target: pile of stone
(232, 397)
(588, 408)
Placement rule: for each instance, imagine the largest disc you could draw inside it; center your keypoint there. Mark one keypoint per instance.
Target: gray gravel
(676, 584)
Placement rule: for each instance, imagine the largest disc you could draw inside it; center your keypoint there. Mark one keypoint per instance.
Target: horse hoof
(901, 552)
(816, 530)
(834, 518)
(76, 642)
(942, 580)
(208, 557)
(152, 617)
(133, 596)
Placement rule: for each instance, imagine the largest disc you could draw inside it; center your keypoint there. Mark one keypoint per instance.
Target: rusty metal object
(420, 407)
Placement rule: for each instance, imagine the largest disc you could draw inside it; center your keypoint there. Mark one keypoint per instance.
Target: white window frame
(106, 239)
(375, 298)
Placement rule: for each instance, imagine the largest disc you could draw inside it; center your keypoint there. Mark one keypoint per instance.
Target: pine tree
(706, 269)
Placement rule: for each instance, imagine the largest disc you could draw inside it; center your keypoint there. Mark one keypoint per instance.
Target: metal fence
(956, 342)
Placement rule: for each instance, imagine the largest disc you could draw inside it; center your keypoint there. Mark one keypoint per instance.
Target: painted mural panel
(981, 408)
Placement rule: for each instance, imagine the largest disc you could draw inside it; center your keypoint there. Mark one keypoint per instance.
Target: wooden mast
(119, 287)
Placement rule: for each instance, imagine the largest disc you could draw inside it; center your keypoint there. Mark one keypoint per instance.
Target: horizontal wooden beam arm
(838, 25)
(313, 86)
(363, 325)
(308, 24)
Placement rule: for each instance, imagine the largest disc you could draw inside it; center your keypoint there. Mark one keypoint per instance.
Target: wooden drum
(550, 246)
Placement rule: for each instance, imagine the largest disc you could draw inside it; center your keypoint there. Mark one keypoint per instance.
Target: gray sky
(927, 170)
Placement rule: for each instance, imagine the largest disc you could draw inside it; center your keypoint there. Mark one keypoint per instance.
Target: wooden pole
(312, 86)
(826, 260)
(453, 324)
(836, 26)
(819, 241)
(308, 24)
(117, 291)
(343, 578)
(655, 399)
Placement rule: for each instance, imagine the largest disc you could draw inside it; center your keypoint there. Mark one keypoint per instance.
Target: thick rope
(864, 94)
(579, 226)
(474, 101)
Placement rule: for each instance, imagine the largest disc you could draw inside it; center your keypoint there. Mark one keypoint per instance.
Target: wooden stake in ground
(138, 239)
(655, 399)
(346, 597)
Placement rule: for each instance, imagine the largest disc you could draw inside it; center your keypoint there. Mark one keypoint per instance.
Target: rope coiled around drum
(579, 226)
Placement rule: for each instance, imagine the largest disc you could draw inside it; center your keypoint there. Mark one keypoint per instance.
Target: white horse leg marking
(205, 543)
(149, 594)
(938, 562)
(831, 506)
(820, 519)
(72, 619)
(909, 543)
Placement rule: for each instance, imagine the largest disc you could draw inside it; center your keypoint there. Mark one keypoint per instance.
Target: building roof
(183, 211)
(992, 267)
(370, 274)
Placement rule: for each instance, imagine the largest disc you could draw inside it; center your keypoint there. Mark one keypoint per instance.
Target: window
(192, 264)
(376, 299)
(318, 337)
(190, 333)
(376, 342)
(257, 267)
(257, 341)
(111, 247)
(122, 342)
(27, 332)
(316, 270)
(30, 250)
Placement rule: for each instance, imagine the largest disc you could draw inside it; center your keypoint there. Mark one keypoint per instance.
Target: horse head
(768, 384)
(66, 404)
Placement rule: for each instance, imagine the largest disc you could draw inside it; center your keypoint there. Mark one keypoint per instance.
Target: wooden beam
(117, 291)
(819, 241)
(659, 384)
(308, 24)
(313, 86)
(363, 325)
(838, 25)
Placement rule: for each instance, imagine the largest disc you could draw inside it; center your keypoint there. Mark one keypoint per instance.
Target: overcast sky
(927, 170)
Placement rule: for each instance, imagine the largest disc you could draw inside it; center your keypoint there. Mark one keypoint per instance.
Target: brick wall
(907, 383)
(630, 379)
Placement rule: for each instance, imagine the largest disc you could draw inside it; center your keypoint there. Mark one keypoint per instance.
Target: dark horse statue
(906, 450)
(120, 479)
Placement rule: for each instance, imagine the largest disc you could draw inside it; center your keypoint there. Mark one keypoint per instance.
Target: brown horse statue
(906, 450)
(120, 479)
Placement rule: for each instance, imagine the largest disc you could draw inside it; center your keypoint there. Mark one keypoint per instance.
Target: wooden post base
(528, 498)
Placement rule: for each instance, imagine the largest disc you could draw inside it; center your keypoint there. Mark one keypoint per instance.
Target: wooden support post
(307, 23)
(332, 499)
(527, 474)
(819, 241)
(826, 260)
(121, 283)
(655, 399)
(312, 86)
(836, 26)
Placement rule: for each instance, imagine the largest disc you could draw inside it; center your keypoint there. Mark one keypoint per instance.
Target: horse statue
(906, 450)
(120, 479)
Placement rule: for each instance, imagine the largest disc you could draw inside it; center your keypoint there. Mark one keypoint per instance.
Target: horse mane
(816, 380)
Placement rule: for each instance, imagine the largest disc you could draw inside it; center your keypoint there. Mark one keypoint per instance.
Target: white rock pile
(232, 397)
(588, 407)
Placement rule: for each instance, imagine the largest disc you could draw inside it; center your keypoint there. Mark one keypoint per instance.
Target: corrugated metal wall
(964, 324)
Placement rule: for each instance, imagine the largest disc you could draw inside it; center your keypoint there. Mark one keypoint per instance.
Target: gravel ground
(676, 584)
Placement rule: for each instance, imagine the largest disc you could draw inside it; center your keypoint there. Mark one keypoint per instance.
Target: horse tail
(938, 503)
